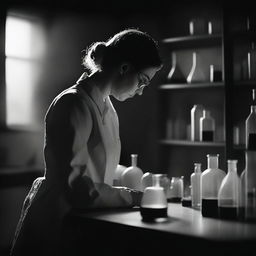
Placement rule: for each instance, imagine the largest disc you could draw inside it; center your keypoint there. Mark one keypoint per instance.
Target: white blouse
(82, 146)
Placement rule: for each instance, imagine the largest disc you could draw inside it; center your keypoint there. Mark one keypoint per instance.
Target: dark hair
(130, 45)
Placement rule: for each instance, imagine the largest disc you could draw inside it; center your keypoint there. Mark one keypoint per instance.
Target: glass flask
(131, 177)
(251, 55)
(176, 189)
(175, 75)
(196, 114)
(154, 202)
(207, 126)
(250, 185)
(195, 179)
(229, 193)
(146, 180)
(211, 179)
(250, 129)
(196, 74)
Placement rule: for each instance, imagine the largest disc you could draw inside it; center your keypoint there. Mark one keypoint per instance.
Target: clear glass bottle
(154, 202)
(229, 193)
(196, 114)
(196, 74)
(146, 180)
(250, 185)
(251, 55)
(195, 179)
(176, 189)
(242, 199)
(250, 129)
(131, 177)
(207, 126)
(211, 179)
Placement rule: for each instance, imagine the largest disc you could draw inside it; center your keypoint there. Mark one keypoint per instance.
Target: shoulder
(66, 103)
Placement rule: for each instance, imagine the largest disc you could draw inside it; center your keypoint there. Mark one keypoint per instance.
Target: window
(24, 48)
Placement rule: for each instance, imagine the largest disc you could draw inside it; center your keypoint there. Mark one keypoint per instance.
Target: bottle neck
(197, 167)
(213, 161)
(206, 114)
(134, 158)
(232, 165)
(253, 109)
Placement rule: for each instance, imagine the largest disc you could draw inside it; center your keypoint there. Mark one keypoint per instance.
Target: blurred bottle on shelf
(175, 75)
(250, 126)
(211, 180)
(229, 193)
(196, 114)
(195, 179)
(196, 74)
(251, 55)
(250, 185)
(207, 126)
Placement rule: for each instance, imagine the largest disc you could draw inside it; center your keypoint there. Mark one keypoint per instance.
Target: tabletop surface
(181, 221)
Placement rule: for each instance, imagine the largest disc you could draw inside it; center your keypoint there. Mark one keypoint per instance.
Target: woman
(82, 145)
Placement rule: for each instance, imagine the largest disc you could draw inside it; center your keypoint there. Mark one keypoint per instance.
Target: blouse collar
(94, 92)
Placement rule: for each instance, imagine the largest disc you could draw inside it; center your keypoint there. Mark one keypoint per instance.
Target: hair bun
(98, 52)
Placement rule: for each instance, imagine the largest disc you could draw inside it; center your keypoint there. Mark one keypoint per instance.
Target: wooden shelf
(193, 41)
(191, 86)
(191, 143)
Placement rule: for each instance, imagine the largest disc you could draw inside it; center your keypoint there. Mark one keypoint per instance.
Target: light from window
(24, 47)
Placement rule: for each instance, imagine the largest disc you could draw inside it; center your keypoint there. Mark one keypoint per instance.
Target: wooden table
(122, 231)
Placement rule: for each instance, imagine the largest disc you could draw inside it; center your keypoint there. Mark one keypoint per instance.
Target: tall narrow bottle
(252, 62)
(196, 114)
(207, 127)
(211, 180)
(196, 186)
(250, 129)
(229, 193)
(250, 185)
(131, 177)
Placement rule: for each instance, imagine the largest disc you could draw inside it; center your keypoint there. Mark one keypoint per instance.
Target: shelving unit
(228, 99)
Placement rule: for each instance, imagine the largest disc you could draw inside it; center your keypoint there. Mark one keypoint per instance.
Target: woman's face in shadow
(130, 82)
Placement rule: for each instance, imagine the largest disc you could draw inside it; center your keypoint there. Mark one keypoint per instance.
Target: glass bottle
(154, 202)
(211, 179)
(207, 126)
(229, 193)
(251, 55)
(242, 199)
(196, 114)
(176, 189)
(196, 74)
(250, 185)
(146, 180)
(175, 75)
(195, 179)
(131, 177)
(250, 129)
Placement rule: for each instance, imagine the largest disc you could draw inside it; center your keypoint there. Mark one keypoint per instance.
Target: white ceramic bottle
(195, 179)
(229, 193)
(131, 177)
(211, 180)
